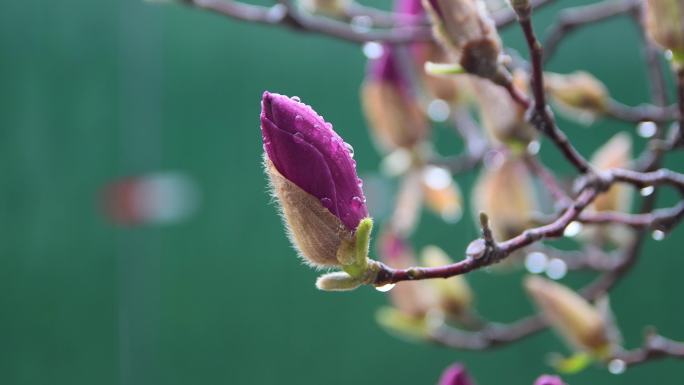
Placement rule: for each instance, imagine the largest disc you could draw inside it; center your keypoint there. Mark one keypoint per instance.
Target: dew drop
(357, 202)
(349, 148)
(385, 288)
(572, 229)
(646, 129)
(326, 202)
(438, 110)
(556, 269)
(436, 178)
(536, 262)
(646, 191)
(617, 366)
(658, 235)
(668, 55)
(373, 50)
(296, 99)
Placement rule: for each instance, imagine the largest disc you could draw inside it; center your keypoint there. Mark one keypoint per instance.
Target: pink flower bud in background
(575, 319)
(549, 380)
(505, 192)
(664, 25)
(579, 94)
(455, 374)
(314, 179)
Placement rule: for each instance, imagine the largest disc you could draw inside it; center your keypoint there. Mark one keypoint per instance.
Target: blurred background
(138, 244)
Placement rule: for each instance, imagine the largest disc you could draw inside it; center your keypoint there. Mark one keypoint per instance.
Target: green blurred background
(95, 91)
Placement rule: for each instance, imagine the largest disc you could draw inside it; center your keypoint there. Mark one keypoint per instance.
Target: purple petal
(455, 375)
(549, 380)
(306, 150)
(410, 7)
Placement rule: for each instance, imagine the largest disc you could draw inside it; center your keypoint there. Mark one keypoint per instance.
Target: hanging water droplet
(658, 235)
(296, 99)
(349, 148)
(646, 129)
(533, 147)
(556, 269)
(438, 110)
(436, 177)
(572, 229)
(326, 202)
(617, 366)
(646, 191)
(536, 262)
(668, 55)
(373, 50)
(385, 288)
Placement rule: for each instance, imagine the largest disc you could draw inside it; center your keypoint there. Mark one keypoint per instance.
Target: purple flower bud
(306, 151)
(455, 375)
(549, 380)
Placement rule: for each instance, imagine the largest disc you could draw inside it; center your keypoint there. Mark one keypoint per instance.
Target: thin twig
(642, 113)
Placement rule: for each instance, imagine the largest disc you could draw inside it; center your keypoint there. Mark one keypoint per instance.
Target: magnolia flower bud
(616, 153)
(578, 93)
(392, 110)
(549, 380)
(455, 375)
(453, 294)
(503, 118)
(506, 194)
(467, 31)
(577, 321)
(314, 179)
(664, 25)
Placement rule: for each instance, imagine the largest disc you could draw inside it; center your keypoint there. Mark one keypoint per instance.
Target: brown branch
(540, 115)
(679, 73)
(642, 113)
(655, 347)
(507, 16)
(492, 335)
(286, 14)
(661, 219)
(572, 18)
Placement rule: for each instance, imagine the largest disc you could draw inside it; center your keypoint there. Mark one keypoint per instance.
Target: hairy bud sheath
(455, 374)
(314, 179)
(569, 314)
(467, 31)
(665, 27)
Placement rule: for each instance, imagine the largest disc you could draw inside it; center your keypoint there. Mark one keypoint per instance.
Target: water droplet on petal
(385, 288)
(658, 235)
(617, 366)
(296, 99)
(359, 182)
(556, 269)
(349, 148)
(536, 262)
(298, 118)
(326, 202)
(572, 229)
(357, 202)
(646, 191)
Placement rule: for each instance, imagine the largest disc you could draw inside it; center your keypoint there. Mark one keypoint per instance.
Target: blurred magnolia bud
(331, 8)
(412, 299)
(578, 93)
(441, 193)
(466, 30)
(398, 323)
(314, 179)
(453, 294)
(503, 118)
(577, 321)
(549, 380)
(408, 204)
(337, 281)
(390, 105)
(616, 153)
(455, 374)
(506, 194)
(664, 25)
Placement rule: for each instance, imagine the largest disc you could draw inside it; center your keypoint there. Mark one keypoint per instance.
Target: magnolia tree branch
(655, 347)
(572, 18)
